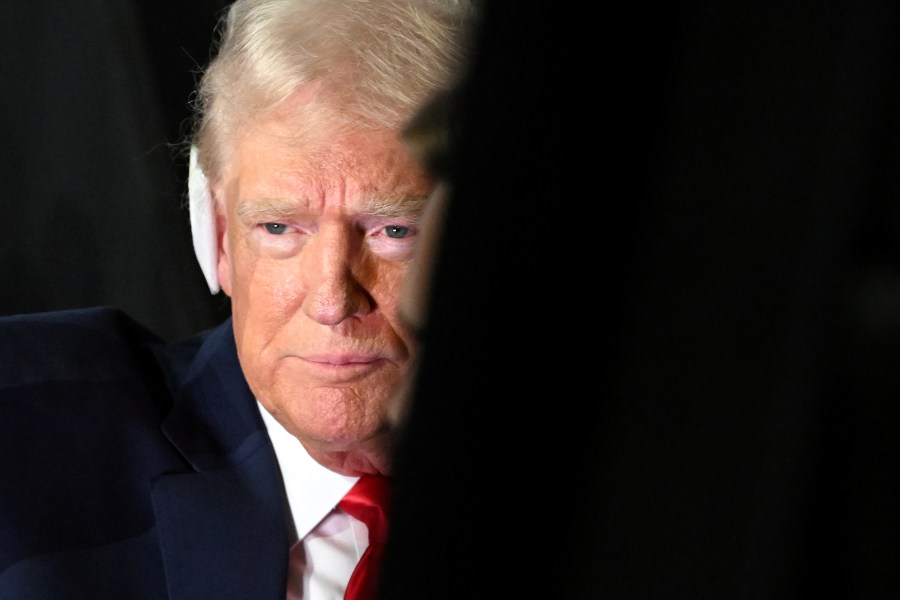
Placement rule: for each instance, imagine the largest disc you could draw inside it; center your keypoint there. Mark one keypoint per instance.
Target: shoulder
(92, 343)
(82, 400)
(99, 318)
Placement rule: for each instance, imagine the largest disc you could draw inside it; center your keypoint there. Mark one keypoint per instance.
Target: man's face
(315, 242)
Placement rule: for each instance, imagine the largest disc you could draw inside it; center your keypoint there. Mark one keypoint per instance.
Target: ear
(203, 221)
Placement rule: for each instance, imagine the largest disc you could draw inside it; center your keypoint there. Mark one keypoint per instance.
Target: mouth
(343, 367)
(341, 359)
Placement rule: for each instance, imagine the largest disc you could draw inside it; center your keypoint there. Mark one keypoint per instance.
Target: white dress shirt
(331, 541)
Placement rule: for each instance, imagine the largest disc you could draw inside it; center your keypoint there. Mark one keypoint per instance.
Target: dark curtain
(93, 109)
(664, 344)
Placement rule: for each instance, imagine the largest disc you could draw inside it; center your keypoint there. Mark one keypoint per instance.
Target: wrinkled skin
(315, 242)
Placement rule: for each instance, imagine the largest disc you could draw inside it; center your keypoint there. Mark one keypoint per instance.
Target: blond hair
(375, 62)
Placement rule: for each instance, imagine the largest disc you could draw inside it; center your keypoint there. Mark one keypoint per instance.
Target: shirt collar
(312, 490)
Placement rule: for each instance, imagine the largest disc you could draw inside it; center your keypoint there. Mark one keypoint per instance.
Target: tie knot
(368, 501)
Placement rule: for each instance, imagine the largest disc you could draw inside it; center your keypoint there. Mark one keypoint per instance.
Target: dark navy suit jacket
(132, 468)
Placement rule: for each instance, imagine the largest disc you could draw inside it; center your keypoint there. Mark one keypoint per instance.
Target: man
(204, 468)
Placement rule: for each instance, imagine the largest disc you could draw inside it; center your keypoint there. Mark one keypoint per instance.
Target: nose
(334, 294)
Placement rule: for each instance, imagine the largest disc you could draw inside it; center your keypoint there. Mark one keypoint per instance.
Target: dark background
(93, 109)
(663, 354)
(665, 339)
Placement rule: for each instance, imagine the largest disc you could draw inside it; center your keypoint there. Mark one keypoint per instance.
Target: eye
(396, 231)
(275, 228)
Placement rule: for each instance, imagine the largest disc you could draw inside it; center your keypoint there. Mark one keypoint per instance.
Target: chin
(355, 463)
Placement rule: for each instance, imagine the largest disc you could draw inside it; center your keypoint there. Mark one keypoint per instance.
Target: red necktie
(368, 502)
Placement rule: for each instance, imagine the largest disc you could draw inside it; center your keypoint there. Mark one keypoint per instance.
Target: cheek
(270, 290)
(416, 291)
(266, 298)
(282, 291)
(242, 266)
(223, 272)
(387, 292)
(223, 244)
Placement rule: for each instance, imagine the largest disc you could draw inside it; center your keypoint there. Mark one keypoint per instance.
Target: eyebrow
(265, 207)
(398, 205)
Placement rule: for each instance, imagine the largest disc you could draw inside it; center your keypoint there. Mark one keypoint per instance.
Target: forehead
(350, 168)
(302, 152)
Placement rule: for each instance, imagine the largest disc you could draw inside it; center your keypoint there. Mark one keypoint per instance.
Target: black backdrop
(664, 349)
(662, 360)
(95, 95)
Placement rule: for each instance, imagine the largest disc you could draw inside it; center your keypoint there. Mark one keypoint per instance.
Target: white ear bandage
(203, 222)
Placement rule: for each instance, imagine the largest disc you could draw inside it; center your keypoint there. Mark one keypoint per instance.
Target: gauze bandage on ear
(203, 222)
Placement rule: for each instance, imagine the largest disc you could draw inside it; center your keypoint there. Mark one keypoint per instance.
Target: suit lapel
(222, 526)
